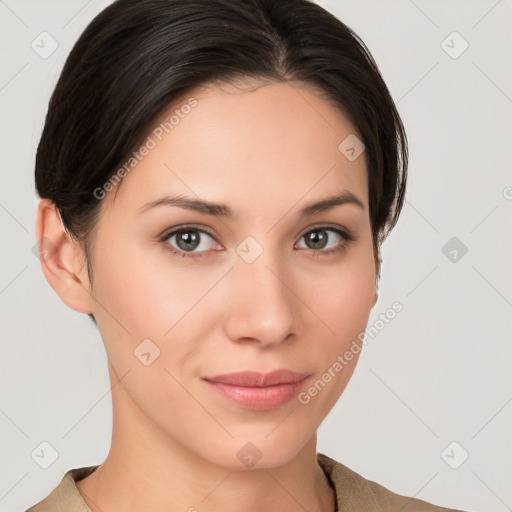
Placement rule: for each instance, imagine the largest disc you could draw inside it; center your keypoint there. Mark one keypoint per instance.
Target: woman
(216, 180)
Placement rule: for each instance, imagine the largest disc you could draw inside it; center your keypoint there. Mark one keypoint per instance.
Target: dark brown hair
(137, 56)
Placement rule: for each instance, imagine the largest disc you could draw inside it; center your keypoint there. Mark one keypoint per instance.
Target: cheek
(144, 291)
(343, 302)
(344, 307)
(145, 311)
(143, 298)
(344, 297)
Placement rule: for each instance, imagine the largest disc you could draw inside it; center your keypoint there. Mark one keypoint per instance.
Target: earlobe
(60, 257)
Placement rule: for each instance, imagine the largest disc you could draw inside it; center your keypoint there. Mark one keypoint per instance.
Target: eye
(192, 242)
(188, 239)
(319, 239)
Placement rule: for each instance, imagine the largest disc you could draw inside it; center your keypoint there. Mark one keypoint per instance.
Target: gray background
(435, 374)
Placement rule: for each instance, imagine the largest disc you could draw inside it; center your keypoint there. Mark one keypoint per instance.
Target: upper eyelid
(174, 231)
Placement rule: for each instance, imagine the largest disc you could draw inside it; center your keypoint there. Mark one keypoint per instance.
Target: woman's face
(265, 288)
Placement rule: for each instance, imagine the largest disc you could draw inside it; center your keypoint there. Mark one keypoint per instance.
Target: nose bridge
(263, 306)
(260, 262)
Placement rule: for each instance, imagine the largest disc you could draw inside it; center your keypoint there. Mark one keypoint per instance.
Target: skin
(265, 151)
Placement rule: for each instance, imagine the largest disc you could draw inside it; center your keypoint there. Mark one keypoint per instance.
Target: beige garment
(353, 493)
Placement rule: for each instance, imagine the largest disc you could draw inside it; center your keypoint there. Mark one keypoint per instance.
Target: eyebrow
(222, 210)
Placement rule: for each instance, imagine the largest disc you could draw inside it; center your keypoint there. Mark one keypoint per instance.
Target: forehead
(246, 144)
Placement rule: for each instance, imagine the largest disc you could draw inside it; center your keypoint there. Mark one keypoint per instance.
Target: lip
(258, 391)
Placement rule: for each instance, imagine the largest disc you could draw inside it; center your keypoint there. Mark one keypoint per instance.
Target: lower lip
(258, 399)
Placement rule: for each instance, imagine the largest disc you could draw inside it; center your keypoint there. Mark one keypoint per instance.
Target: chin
(267, 450)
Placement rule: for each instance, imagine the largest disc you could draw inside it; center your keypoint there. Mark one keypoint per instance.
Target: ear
(62, 259)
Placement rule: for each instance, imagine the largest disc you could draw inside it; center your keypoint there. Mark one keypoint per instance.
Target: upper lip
(257, 379)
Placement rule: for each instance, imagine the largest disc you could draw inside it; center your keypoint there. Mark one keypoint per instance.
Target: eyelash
(349, 238)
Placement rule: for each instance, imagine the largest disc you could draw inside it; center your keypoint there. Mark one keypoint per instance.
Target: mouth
(258, 391)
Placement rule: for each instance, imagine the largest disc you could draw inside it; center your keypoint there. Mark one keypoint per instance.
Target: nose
(262, 306)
